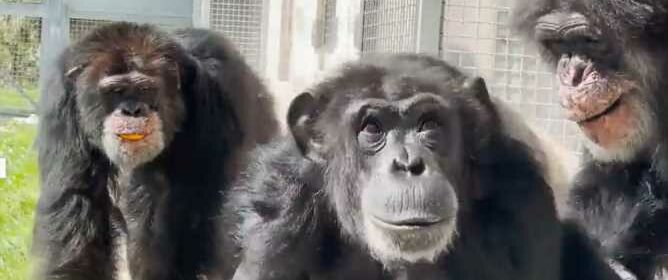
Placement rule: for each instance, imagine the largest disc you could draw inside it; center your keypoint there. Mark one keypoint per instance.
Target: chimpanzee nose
(133, 109)
(571, 70)
(410, 163)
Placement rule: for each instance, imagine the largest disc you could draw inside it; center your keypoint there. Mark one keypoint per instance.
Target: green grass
(10, 98)
(18, 194)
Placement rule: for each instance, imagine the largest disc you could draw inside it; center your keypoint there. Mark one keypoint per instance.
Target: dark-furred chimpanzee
(611, 61)
(139, 133)
(401, 167)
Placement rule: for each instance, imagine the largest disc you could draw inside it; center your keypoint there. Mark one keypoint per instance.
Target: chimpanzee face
(130, 104)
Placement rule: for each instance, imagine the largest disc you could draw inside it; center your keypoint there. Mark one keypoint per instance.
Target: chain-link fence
(326, 24)
(81, 26)
(388, 26)
(329, 33)
(476, 36)
(19, 56)
(242, 21)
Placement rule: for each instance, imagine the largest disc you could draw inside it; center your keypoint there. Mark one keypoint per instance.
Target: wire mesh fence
(476, 36)
(389, 26)
(79, 27)
(329, 34)
(325, 24)
(242, 22)
(19, 57)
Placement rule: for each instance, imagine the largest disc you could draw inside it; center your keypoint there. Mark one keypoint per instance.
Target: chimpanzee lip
(410, 223)
(598, 95)
(613, 106)
(143, 130)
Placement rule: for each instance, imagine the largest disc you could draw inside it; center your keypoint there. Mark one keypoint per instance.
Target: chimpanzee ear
(72, 73)
(70, 76)
(300, 122)
(477, 87)
(483, 117)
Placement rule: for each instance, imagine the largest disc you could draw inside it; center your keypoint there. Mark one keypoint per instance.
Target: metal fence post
(201, 13)
(55, 37)
(428, 27)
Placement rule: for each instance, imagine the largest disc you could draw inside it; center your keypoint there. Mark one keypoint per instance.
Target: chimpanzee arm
(277, 207)
(71, 221)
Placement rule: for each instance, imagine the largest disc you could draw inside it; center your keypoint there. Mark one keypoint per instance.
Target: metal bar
(14, 113)
(160, 19)
(202, 13)
(428, 15)
(263, 38)
(55, 31)
(285, 51)
(363, 20)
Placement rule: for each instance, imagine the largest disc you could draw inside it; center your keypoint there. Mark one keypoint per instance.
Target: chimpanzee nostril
(572, 70)
(133, 109)
(414, 167)
(576, 74)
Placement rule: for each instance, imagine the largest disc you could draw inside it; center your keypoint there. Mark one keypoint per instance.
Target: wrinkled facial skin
(595, 87)
(133, 115)
(408, 201)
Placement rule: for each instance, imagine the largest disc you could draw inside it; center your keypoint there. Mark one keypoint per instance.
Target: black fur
(624, 206)
(296, 208)
(172, 199)
(623, 203)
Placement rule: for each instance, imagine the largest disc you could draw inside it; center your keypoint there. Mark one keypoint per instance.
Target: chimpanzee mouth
(409, 223)
(607, 111)
(132, 129)
(597, 95)
(132, 137)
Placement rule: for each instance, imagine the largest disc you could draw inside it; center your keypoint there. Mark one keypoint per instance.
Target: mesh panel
(80, 27)
(19, 56)
(330, 22)
(325, 24)
(476, 37)
(241, 21)
(389, 26)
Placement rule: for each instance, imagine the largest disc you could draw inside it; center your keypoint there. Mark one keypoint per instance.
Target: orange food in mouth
(132, 136)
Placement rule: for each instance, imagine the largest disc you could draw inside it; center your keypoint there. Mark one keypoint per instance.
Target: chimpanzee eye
(372, 126)
(371, 132)
(554, 45)
(428, 122)
(591, 40)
